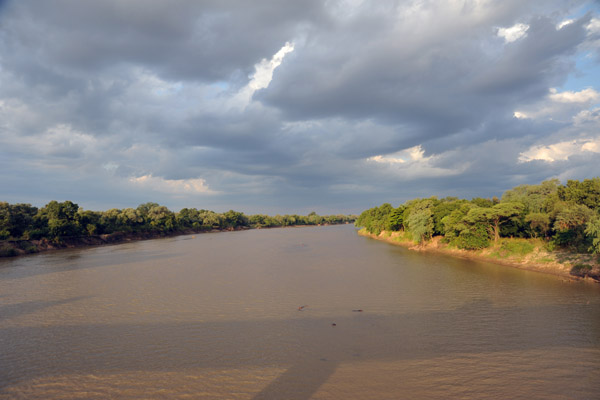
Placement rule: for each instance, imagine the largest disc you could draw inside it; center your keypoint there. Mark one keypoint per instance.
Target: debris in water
(357, 310)
(334, 324)
(302, 307)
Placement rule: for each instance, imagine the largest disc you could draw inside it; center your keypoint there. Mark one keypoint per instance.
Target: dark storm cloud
(378, 100)
(182, 39)
(438, 86)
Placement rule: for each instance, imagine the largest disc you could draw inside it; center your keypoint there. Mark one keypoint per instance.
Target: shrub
(7, 251)
(550, 246)
(475, 238)
(517, 247)
(581, 270)
(36, 234)
(28, 248)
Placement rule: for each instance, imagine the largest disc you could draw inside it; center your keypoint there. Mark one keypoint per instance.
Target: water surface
(215, 316)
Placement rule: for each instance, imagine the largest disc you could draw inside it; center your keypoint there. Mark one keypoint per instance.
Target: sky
(294, 106)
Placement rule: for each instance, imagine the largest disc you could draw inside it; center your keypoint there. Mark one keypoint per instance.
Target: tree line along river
(274, 314)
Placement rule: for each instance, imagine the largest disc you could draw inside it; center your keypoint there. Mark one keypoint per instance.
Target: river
(216, 316)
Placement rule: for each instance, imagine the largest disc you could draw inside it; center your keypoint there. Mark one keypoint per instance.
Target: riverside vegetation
(27, 229)
(548, 227)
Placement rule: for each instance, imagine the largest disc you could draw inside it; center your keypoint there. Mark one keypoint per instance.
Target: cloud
(414, 154)
(560, 151)
(172, 186)
(291, 105)
(263, 74)
(515, 32)
(559, 106)
(413, 164)
(565, 23)
(584, 96)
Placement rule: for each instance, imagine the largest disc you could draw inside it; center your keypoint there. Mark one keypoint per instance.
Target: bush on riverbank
(530, 254)
(581, 270)
(7, 250)
(563, 216)
(60, 223)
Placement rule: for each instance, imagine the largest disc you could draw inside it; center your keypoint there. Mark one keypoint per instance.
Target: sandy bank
(560, 263)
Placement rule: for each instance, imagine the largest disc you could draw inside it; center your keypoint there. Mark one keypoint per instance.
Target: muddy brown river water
(216, 316)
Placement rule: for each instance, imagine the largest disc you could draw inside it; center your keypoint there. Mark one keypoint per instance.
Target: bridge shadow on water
(310, 348)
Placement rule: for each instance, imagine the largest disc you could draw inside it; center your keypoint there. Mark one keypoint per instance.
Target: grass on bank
(512, 250)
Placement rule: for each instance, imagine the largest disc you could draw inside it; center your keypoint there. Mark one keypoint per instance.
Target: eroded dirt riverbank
(559, 263)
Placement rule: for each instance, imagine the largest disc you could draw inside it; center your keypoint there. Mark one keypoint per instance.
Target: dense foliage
(566, 216)
(59, 220)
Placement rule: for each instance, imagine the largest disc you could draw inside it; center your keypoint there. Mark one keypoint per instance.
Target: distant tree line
(566, 216)
(58, 220)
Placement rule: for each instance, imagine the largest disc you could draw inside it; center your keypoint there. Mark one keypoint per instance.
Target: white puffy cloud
(560, 151)
(559, 105)
(513, 33)
(263, 74)
(172, 186)
(583, 96)
(413, 154)
(594, 26)
(564, 23)
(412, 163)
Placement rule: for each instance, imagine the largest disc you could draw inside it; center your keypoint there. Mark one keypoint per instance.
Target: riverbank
(524, 254)
(14, 248)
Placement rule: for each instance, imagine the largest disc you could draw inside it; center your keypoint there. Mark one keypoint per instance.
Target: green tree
(161, 219)
(473, 237)
(130, 219)
(481, 202)
(110, 221)
(585, 193)
(539, 223)
(314, 219)
(210, 219)
(376, 219)
(16, 220)
(395, 220)
(188, 218)
(570, 225)
(494, 217)
(5, 224)
(62, 219)
(593, 231)
(466, 233)
(454, 223)
(90, 221)
(233, 219)
(420, 224)
(419, 221)
(538, 201)
(143, 211)
(443, 209)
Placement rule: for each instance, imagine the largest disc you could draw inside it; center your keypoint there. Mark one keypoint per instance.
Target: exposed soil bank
(560, 263)
(11, 248)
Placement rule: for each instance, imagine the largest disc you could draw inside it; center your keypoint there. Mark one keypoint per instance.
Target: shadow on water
(310, 348)
(15, 310)
(41, 264)
(300, 381)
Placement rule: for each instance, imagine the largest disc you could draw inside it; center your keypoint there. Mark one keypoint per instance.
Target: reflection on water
(216, 316)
